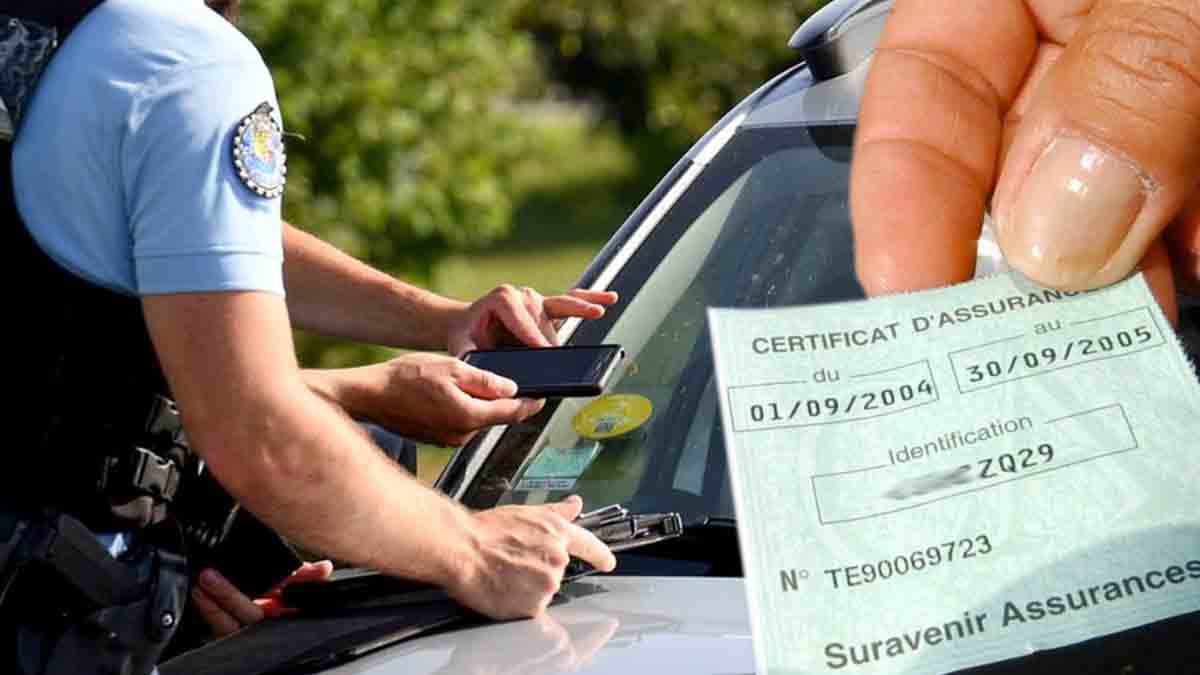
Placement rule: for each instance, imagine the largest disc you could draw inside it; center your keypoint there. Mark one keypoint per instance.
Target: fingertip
(592, 550)
(211, 579)
(598, 297)
(200, 597)
(504, 387)
(494, 386)
(312, 571)
(570, 507)
(531, 407)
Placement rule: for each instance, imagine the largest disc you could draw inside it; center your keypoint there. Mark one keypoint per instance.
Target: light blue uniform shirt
(123, 167)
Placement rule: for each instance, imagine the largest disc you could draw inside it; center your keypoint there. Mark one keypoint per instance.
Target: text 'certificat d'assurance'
(938, 480)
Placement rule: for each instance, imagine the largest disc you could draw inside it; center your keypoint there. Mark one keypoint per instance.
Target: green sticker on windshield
(558, 468)
(933, 481)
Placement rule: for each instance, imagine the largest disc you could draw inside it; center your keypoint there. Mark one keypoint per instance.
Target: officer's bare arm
(297, 462)
(334, 294)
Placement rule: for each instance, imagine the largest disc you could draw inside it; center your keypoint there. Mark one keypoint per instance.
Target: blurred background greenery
(460, 144)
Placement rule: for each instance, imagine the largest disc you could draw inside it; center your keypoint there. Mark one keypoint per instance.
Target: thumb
(484, 384)
(1108, 150)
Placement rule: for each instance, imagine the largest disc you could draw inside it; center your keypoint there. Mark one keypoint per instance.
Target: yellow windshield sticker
(612, 416)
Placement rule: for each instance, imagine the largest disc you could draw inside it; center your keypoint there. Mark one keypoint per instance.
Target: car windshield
(765, 224)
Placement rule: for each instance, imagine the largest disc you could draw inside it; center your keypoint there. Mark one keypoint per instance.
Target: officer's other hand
(227, 610)
(512, 316)
(428, 397)
(1078, 119)
(520, 554)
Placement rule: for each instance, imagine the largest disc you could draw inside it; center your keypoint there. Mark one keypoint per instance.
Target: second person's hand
(514, 316)
(227, 610)
(1078, 119)
(425, 397)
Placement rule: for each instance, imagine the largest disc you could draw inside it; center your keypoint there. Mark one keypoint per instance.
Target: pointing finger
(524, 326)
(605, 298)
(587, 547)
(220, 621)
(928, 137)
(229, 598)
(565, 306)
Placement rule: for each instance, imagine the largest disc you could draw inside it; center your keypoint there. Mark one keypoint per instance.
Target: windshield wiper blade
(715, 522)
(623, 531)
(637, 531)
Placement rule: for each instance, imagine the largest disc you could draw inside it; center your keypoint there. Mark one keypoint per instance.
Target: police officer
(148, 171)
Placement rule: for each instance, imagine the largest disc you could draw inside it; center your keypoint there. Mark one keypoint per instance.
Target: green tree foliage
(412, 122)
(669, 67)
(404, 120)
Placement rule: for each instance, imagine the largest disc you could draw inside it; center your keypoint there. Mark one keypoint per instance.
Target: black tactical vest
(83, 375)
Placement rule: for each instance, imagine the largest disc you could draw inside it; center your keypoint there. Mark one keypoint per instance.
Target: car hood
(602, 625)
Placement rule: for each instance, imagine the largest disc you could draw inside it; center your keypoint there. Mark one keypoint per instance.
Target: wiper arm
(711, 541)
(623, 531)
(639, 530)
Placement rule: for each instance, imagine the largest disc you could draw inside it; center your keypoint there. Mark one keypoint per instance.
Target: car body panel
(601, 626)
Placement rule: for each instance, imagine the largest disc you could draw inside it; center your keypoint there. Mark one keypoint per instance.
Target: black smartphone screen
(552, 371)
(253, 557)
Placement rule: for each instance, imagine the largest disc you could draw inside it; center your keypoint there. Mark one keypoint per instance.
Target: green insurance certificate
(933, 481)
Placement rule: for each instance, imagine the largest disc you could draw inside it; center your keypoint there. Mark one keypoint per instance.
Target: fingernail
(1072, 213)
(505, 387)
(209, 579)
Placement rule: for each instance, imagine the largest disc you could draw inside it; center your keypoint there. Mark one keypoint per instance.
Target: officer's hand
(510, 316)
(1079, 119)
(425, 397)
(227, 610)
(520, 555)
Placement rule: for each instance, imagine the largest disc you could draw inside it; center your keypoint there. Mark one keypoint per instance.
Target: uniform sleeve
(195, 225)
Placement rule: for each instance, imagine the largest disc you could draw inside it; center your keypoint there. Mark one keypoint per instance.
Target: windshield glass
(765, 224)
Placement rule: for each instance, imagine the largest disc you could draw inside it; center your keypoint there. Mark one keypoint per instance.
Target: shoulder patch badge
(258, 153)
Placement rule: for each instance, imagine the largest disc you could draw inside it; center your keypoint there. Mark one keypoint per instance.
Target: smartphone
(253, 557)
(552, 372)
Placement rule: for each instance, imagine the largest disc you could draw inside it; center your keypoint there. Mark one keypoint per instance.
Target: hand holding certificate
(933, 481)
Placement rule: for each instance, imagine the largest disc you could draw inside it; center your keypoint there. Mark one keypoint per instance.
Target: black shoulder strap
(61, 15)
(30, 32)
(88, 368)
